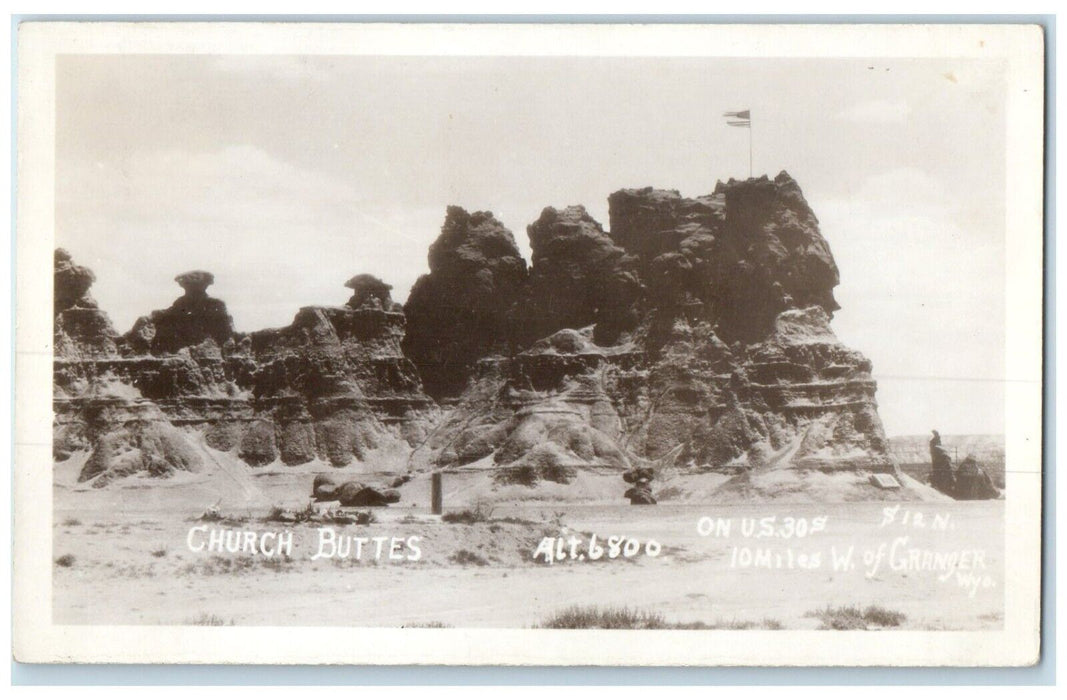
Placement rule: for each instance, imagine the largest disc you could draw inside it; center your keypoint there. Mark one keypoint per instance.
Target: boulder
(973, 483)
(352, 494)
(640, 495)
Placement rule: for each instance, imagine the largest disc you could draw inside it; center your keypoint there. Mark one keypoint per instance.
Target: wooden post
(436, 496)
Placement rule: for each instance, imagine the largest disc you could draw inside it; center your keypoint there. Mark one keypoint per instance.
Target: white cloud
(922, 295)
(276, 236)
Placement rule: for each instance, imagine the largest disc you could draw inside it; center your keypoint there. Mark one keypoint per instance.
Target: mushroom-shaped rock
(193, 318)
(368, 289)
(196, 282)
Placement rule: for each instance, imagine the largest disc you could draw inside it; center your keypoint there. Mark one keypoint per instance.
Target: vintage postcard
(529, 344)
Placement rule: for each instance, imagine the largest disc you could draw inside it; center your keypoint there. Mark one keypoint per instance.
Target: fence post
(436, 496)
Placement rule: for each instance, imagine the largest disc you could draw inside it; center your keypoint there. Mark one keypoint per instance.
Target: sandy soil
(130, 562)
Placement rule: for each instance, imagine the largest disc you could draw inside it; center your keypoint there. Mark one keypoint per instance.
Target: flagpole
(742, 119)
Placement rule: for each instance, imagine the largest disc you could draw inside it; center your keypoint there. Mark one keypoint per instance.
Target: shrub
(363, 517)
(465, 557)
(66, 560)
(480, 513)
(277, 514)
(281, 514)
(212, 514)
(612, 618)
(71, 522)
(877, 615)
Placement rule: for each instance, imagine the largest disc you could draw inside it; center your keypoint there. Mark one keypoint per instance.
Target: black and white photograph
(527, 344)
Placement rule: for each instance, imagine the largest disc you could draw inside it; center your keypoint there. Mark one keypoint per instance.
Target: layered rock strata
(333, 386)
(694, 336)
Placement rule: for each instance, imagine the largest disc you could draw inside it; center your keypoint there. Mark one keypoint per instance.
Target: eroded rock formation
(464, 309)
(334, 386)
(579, 277)
(693, 337)
(81, 328)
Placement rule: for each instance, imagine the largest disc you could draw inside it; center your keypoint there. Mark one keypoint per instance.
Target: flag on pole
(742, 119)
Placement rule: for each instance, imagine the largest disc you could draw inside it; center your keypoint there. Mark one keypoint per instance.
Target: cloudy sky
(285, 176)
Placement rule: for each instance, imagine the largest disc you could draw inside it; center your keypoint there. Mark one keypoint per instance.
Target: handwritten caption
(894, 552)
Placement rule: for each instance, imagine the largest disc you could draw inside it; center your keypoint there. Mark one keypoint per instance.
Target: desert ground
(124, 555)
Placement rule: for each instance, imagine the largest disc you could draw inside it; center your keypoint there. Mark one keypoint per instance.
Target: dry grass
(208, 621)
(214, 515)
(578, 617)
(480, 513)
(852, 617)
(621, 618)
(308, 514)
(219, 565)
(766, 623)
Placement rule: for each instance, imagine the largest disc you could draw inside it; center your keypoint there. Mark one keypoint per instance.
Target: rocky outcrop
(81, 328)
(797, 399)
(333, 387)
(966, 482)
(973, 483)
(738, 257)
(464, 309)
(912, 454)
(579, 277)
(640, 494)
(98, 410)
(692, 338)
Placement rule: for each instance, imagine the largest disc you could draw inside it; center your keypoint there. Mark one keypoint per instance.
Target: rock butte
(693, 337)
